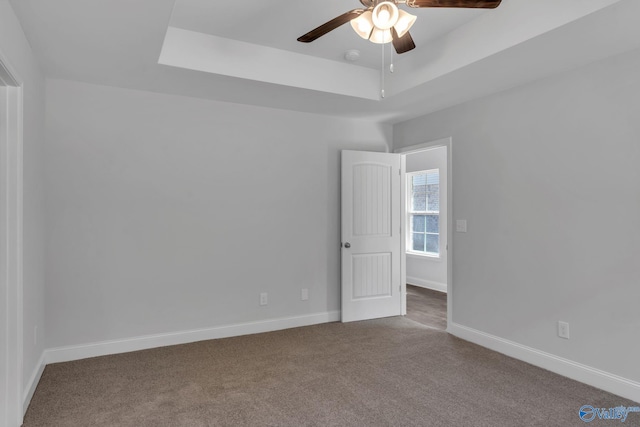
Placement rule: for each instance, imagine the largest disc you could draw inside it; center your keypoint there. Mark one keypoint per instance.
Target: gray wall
(167, 213)
(548, 177)
(424, 271)
(15, 48)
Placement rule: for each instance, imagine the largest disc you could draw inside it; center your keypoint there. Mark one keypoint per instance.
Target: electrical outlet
(461, 226)
(563, 330)
(264, 298)
(304, 294)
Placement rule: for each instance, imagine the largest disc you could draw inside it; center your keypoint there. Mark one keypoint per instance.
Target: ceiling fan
(381, 21)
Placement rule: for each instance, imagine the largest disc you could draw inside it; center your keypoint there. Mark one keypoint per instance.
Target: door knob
(347, 245)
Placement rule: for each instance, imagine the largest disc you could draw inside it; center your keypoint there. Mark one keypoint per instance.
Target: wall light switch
(461, 226)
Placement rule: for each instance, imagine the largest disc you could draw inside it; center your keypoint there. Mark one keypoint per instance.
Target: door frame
(426, 146)
(11, 253)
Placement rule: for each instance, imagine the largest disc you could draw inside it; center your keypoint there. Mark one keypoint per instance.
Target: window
(424, 212)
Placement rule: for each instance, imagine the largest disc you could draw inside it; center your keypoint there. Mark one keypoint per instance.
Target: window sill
(417, 255)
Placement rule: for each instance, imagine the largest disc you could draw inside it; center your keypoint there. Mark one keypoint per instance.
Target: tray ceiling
(247, 52)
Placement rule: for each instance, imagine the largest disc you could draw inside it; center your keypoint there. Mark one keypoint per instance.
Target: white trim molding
(11, 253)
(104, 348)
(30, 387)
(416, 148)
(427, 284)
(576, 371)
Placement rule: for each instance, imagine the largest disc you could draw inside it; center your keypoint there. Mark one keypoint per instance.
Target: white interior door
(371, 235)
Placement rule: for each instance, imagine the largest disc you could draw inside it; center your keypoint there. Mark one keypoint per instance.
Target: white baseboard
(83, 351)
(428, 284)
(595, 377)
(33, 383)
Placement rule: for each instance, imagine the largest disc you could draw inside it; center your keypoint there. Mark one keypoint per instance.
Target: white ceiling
(246, 52)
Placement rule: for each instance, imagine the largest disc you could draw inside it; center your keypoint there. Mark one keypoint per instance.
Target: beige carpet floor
(427, 306)
(387, 372)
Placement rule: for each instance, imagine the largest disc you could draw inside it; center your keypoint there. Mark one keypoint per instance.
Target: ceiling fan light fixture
(380, 36)
(363, 25)
(385, 15)
(405, 22)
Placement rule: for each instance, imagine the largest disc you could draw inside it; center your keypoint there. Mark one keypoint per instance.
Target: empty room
(303, 213)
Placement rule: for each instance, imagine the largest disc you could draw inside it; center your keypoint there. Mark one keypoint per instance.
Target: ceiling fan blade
(482, 4)
(330, 26)
(402, 44)
(367, 3)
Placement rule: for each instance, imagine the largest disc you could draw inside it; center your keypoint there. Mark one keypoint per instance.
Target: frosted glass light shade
(405, 22)
(385, 15)
(363, 25)
(381, 36)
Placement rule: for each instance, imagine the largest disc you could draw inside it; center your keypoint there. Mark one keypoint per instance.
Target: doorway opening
(380, 231)
(426, 246)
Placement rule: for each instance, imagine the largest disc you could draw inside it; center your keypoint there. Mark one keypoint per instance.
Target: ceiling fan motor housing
(373, 3)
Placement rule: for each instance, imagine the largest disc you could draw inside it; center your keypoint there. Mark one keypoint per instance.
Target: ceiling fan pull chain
(391, 68)
(382, 74)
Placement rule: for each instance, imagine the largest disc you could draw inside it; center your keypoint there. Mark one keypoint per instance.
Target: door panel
(371, 275)
(371, 235)
(372, 205)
